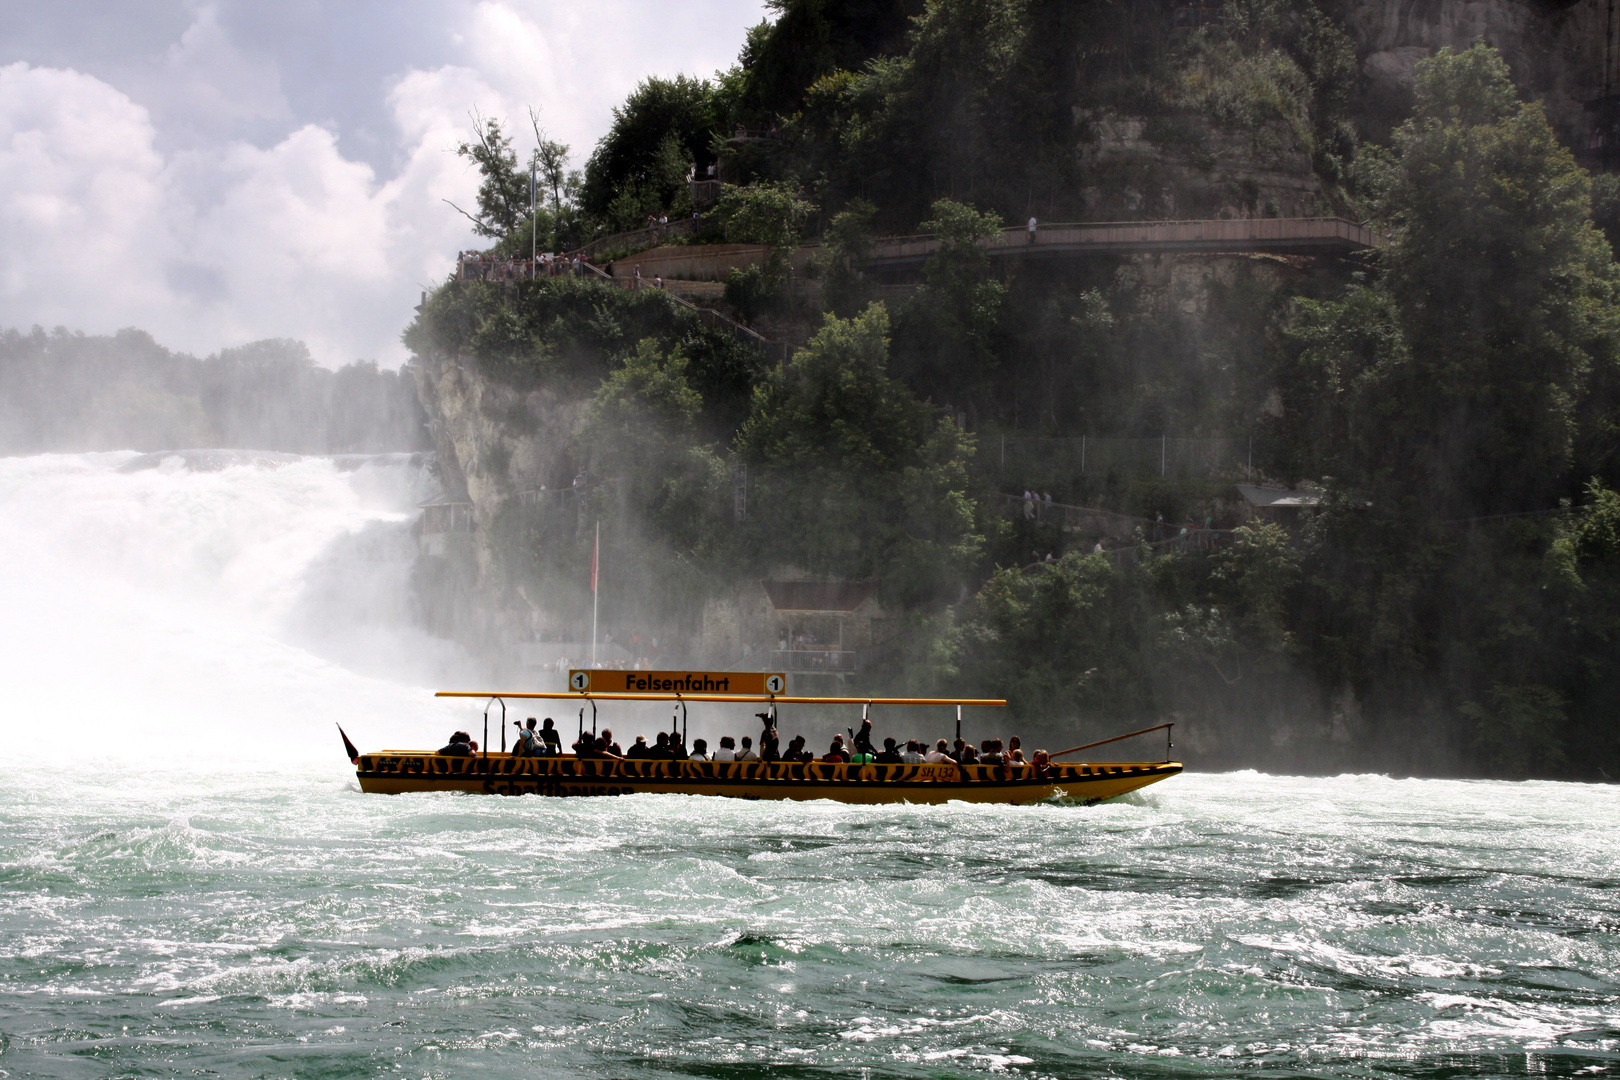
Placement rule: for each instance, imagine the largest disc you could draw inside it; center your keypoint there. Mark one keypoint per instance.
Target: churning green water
(283, 924)
(266, 919)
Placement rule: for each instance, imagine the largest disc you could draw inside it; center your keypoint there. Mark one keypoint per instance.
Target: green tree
(641, 432)
(950, 325)
(550, 162)
(845, 246)
(773, 216)
(1056, 640)
(852, 475)
(503, 196)
(640, 165)
(810, 38)
(1505, 293)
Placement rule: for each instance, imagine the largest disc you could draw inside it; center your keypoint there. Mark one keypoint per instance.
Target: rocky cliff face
(1189, 168)
(1555, 47)
(494, 441)
(495, 444)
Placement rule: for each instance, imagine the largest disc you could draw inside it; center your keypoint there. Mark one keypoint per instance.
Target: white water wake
(229, 614)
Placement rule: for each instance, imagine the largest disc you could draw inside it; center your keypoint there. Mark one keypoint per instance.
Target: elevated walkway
(1279, 236)
(1293, 236)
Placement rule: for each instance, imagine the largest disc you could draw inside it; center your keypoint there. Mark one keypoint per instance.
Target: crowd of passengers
(860, 749)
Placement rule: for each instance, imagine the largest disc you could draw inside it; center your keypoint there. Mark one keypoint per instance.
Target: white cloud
(207, 233)
(217, 82)
(216, 246)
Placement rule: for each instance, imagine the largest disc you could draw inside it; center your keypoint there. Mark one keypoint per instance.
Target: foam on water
(165, 911)
(1237, 924)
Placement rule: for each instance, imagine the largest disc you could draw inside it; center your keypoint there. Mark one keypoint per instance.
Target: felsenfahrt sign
(676, 682)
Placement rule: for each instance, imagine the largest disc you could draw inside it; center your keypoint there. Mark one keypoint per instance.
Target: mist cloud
(226, 181)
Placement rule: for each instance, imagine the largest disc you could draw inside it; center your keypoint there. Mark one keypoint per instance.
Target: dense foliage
(1449, 605)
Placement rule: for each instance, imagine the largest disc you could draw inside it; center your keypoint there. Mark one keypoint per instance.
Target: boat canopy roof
(780, 699)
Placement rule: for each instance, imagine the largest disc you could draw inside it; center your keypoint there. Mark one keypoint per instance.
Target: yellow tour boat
(500, 773)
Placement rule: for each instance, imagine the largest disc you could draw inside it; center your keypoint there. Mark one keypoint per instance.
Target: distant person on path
(1032, 225)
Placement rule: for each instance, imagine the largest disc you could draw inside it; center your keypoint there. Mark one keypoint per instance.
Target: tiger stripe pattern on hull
(397, 772)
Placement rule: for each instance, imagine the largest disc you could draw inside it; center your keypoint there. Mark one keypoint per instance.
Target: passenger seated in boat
(940, 754)
(640, 749)
(913, 754)
(1042, 764)
(460, 745)
(797, 752)
(700, 750)
(528, 741)
(660, 751)
(728, 749)
(990, 753)
(605, 749)
(958, 748)
(836, 751)
(1014, 746)
(1016, 757)
(890, 754)
(770, 744)
(969, 756)
(609, 745)
(746, 753)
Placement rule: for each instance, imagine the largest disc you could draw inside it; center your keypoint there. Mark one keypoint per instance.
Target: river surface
(192, 885)
(281, 923)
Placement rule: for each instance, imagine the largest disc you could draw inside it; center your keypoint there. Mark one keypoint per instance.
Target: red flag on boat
(348, 747)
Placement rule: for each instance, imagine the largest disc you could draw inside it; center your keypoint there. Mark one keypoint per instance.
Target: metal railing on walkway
(711, 318)
(446, 517)
(1039, 455)
(1281, 235)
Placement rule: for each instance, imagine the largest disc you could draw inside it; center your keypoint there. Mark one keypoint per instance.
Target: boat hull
(398, 772)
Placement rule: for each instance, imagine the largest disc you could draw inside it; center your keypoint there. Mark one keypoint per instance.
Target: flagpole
(596, 553)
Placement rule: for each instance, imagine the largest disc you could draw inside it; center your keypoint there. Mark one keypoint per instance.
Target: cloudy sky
(220, 172)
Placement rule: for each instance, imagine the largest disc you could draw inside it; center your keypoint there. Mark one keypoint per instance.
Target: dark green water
(163, 924)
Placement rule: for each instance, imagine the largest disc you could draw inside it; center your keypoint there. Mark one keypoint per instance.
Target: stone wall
(1554, 47)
